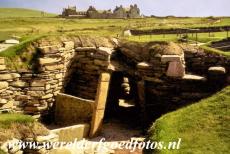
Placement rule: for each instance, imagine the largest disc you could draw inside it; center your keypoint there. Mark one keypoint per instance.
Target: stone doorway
(122, 107)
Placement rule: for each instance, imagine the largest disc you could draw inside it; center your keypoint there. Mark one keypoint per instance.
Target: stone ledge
(68, 134)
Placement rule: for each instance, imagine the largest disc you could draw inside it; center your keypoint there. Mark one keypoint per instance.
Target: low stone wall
(73, 66)
(72, 110)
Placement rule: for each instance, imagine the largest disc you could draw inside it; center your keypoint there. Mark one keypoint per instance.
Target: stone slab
(170, 58)
(68, 134)
(175, 69)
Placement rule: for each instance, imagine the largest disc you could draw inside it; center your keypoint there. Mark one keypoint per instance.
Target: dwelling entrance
(122, 112)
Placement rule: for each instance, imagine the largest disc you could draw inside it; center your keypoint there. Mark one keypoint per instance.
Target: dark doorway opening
(122, 102)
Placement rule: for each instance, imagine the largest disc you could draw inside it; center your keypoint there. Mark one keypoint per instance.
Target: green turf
(203, 127)
(19, 12)
(6, 120)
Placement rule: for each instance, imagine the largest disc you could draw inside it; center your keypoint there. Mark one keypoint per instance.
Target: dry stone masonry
(162, 77)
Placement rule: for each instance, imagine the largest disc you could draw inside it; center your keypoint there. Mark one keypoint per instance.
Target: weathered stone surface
(9, 76)
(47, 96)
(4, 85)
(72, 110)
(170, 58)
(22, 98)
(19, 84)
(44, 61)
(2, 67)
(144, 65)
(2, 61)
(194, 77)
(2, 101)
(217, 70)
(175, 69)
(36, 93)
(38, 83)
(54, 67)
(49, 138)
(68, 134)
(101, 63)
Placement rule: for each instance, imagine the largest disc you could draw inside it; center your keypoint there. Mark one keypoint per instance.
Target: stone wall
(34, 91)
(73, 66)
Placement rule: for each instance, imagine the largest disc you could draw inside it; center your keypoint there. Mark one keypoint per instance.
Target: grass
(203, 127)
(6, 120)
(213, 50)
(19, 12)
(201, 37)
(19, 126)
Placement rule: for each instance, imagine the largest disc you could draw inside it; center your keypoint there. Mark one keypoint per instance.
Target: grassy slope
(18, 12)
(204, 127)
(19, 126)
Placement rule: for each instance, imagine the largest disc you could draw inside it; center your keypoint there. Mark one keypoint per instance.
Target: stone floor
(114, 132)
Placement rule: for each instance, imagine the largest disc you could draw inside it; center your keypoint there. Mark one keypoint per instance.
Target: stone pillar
(100, 102)
(141, 96)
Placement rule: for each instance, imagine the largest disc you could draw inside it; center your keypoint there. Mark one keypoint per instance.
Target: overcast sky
(148, 7)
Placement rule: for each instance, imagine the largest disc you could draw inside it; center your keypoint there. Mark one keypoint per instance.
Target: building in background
(119, 12)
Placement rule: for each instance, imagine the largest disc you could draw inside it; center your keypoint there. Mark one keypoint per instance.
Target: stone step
(191, 77)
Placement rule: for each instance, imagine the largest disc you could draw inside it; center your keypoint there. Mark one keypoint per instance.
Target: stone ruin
(82, 79)
(119, 12)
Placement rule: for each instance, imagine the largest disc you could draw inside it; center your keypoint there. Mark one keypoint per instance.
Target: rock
(49, 138)
(217, 70)
(19, 84)
(2, 61)
(44, 61)
(36, 93)
(22, 98)
(144, 65)
(9, 76)
(2, 101)
(54, 67)
(38, 83)
(175, 69)
(2, 67)
(4, 85)
(47, 96)
(12, 149)
(101, 63)
(127, 33)
(194, 77)
(170, 58)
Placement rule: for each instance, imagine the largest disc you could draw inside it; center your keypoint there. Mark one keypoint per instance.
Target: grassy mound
(19, 12)
(19, 126)
(203, 127)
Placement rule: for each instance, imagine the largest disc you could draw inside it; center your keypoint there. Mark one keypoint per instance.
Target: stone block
(38, 83)
(19, 84)
(68, 134)
(170, 58)
(47, 96)
(36, 93)
(217, 70)
(2, 67)
(2, 61)
(144, 65)
(54, 67)
(96, 123)
(9, 76)
(4, 85)
(175, 69)
(44, 61)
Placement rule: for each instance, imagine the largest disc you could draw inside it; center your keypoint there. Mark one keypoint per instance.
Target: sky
(148, 7)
